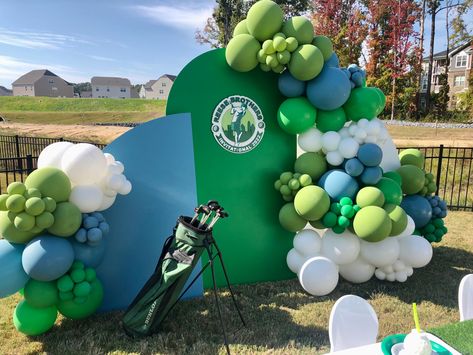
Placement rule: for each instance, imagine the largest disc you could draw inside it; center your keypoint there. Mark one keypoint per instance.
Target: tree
(440, 100)
(460, 31)
(78, 88)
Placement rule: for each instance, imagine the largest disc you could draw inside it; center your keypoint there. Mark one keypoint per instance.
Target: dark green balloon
(413, 179)
(393, 175)
(73, 310)
(364, 102)
(324, 44)
(30, 320)
(41, 294)
(330, 120)
(67, 220)
(312, 164)
(398, 218)
(296, 115)
(289, 219)
(391, 190)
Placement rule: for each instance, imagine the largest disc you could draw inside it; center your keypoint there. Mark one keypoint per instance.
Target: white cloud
(38, 40)
(185, 17)
(102, 59)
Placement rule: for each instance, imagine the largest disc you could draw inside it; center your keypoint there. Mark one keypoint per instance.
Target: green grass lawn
(282, 318)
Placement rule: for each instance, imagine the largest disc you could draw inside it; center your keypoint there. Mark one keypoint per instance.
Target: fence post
(20, 163)
(29, 164)
(439, 168)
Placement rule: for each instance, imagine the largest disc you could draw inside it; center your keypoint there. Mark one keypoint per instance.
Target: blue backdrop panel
(159, 161)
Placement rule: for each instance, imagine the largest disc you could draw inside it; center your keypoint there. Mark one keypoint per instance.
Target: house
(86, 94)
(461, 58)
(5, 92)
(110, 87)
(42, 83)
(160, 88)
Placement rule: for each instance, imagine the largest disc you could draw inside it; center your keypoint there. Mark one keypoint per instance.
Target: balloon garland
(371, 210)
(53, 234)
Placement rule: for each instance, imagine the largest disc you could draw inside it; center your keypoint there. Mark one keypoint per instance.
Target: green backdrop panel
(239, 110)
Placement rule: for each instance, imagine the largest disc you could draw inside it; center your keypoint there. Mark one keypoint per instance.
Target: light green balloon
(283, 57)
(364, 102)
(49, 204)
(34, 206)
(312, 164)
(330, 120)
(272, 61)
(268, 47)
(52, 182)
(264, 19)
(299, 27)
(30, 320)
(261, 56)
(279, 42)
(372, 224)
(289, 219)
(24, 222)
(398, 218)
(412, 157)
(324, 44)
(240, 28)
(242, 53)
(9, 232)
(67, 220)
(44, 220)
(264, 67)
(370, 196)
(306, 62)
(278, 69)
(33, 192)
(296, 115)
(312, 202)
(16, 188)
(291, 44)
(41, 294)
(413, 179)
(3, 202)
(15, 203)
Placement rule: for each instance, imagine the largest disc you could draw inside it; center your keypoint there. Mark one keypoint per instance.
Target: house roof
(3, 88)
(33, 76)
(169, 76)
(149, 84)
(110, 81)
(453, 51)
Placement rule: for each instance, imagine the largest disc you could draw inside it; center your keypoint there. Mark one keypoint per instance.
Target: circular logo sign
(237, 124)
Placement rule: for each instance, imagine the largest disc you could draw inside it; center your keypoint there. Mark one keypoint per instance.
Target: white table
(375, 349)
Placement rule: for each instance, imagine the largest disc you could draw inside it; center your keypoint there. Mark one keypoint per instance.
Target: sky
(137, 39)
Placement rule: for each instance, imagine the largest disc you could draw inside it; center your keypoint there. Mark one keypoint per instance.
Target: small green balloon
(324, 44)
(412, 157)
(240, 28)
(372, 224)
(32, 321)
(398, 218)
(338, 229)
(329, 220)
(49, 204)
(44, 220)
(277, 184)
(438, 222)
(364, 102)
(393, 175)
(413, 179)
(343, 221)
(16, 188)
(67, 220)
(289, 219)
(15, 203)
(306, 62)
(264, 19)
(285, 190)
(52, 182)
(278, 69)
(391, 190)
(72, 310)
(33, 192)
(317, 224)
(296, 115)
(305, 180)
(330, 120)
(264, 67)
(65, 283)
(285, 177)
(312, 164)
(291, 44)
(370, 196)
(271, 60)
(242, 53)
(346, 201)
(90, 274)
(347, 211)
(429, 228)
(77, 265)
(300, 28)
(3, 202)
(77, 275)
(312, 202)
(66, 296)
(24, 222)
(82, 289)
(261, 56)
(41, 294)
(268, 47)
(9, 232)
(294, 184)
(283, 57)
(279, 42)
(336, 208)
(34, 206)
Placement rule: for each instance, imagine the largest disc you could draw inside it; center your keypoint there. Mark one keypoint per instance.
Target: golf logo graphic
(237, 124)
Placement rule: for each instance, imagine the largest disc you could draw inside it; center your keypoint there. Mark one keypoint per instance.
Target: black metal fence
(452, 166)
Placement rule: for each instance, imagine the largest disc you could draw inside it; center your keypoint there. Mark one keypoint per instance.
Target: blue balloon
(357, 78)
(353, 68)
(90, 222)
(418, 208)
(338, 184)
(371, 175)
(99, 216)
(353, 167)
(47, 258)
(104, 227)
(94, 235)
(91, 256)
(329, 90)
(332, 61)
(81, 235)
(346, 72)
(12, 276)
(370, 154)
(290, 86)
(434, 202)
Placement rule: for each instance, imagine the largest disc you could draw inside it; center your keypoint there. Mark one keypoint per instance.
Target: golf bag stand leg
(211, 260)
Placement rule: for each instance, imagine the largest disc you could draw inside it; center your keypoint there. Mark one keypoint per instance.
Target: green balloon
(268, 47)
(346, 201)
(363, 102)
(67, 220)
(65, 283)
(16, 188)
(264, 19)
(382, 98)
(33, 321)
(291, 44)
(78, 275)
(296, 115)
(3, 202)
(41, 294)
(300, 28)
(317, 224)
(398, 218)
(279, 42)
(413, 179)
(72, 310)
(393, 175)
(412, 157)
(52, 182)
(90, 274)
(285, 177)
(66, 296)
(329, 220)
(49, 204)
(372, 224)
(242, 53)
(347, 211)
(24, 222)
(82, 289)
(15, 203)
(324, 44)
(305, 180)
(33, 192)
(330, 120)
(9, 232)
(44, 220)
(312, 164)
(391, 190)
(240, 28)
(34, 206)
(370, 196)
(306, 62)
(336, 208)
(283, 57)
(289, 219)
(343, 221)
(312, 202)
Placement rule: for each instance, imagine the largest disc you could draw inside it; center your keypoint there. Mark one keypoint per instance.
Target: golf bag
(180, 254)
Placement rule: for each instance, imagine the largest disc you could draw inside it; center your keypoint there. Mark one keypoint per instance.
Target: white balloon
(334, 158)
(363, 123)
(84, 164)
(401, 276)
(311, 140)
(318, 276)
(360, 133)
(107, 202)
(358, 271)
(52, 154)
(390, 161)
(125, 189)
(344, 132)
(87, 197)
(307, 242)
(352, 128)
(330, 141)
(110, 158)
(409, 271)
(294, 260)
(382, 253)
(116, 168)
(416, 251)
(380, 275)
(371, 139)
(391, 277)
(399, 266)
(348, 147)
(373, 128)
(340, 248)
(116, 181)
(388, 269)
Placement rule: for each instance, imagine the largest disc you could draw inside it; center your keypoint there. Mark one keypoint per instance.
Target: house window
(108, 89)
(461, 61)
(26, 87)
(54, 88)
(424, 83)
(123, 90)
(459, 81)
(163, 84)
(51, 81)
(161, 91)
(96, 89)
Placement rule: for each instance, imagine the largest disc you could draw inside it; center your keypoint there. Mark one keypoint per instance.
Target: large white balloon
(330, 141)
(340, 248)
(318, 276)
(416, 251)
(107, 202)
(87, 197)
(348, 147)
(84, 164)
(310, 140)
(390, 161)
(52, 154)
(307, 242)
(358, 271)
(334, 158)
(382, 253)
(295, 260)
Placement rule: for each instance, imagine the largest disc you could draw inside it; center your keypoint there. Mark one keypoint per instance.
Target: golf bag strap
(166, 246)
